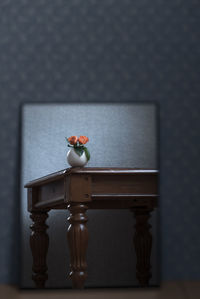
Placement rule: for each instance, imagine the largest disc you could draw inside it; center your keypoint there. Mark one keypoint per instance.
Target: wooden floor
(168, 290)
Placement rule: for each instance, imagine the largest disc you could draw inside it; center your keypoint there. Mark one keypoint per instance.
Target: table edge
(88, 170)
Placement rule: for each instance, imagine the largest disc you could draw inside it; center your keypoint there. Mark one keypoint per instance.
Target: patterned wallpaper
(108, 50)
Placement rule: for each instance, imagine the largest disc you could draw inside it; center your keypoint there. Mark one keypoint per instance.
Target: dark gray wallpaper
(108, 50)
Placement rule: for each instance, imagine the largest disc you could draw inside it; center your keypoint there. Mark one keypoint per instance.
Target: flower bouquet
(78, 155)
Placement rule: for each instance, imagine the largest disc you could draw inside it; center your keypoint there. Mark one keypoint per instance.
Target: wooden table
(79, 189)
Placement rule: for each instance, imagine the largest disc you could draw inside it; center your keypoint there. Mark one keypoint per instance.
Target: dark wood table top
(95, 185)
(88, 170)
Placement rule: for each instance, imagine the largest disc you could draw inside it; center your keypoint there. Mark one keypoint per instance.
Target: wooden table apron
(79, 189)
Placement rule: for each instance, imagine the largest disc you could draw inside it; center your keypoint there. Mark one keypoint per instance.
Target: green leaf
(87, 153)
(79, 151)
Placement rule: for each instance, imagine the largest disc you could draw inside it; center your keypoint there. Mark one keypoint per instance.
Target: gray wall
(121, 135)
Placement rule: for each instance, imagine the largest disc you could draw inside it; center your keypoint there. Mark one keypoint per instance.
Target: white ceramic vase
(75, 160)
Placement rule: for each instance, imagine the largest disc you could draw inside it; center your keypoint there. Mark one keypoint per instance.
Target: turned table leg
(78, 240)
(143, 243)
(39, 242)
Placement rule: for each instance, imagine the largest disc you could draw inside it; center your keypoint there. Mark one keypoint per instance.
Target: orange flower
(83, 139)
(73, 140)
